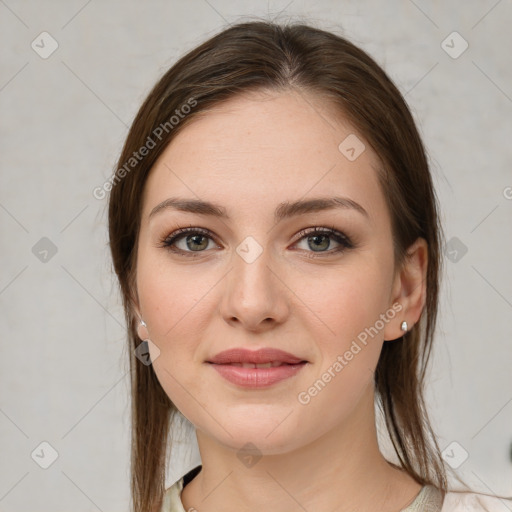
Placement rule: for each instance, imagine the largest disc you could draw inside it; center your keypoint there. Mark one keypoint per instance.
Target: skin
(249, 155)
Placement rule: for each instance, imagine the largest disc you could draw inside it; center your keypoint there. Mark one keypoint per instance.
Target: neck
(342, 470)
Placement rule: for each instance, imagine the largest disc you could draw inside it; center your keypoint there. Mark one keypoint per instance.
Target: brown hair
(261, 55)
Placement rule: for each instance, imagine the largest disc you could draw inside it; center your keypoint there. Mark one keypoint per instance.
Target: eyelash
(344, 241)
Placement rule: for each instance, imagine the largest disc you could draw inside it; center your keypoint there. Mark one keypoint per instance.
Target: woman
(275, 232)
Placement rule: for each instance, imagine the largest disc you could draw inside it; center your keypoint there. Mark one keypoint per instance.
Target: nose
(255, 296)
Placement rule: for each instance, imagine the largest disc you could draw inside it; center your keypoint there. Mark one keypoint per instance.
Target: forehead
(256, 150)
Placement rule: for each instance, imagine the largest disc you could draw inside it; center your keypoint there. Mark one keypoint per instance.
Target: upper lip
(261, 356)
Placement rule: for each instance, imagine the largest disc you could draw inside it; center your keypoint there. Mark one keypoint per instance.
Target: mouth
(256, 368)
(271, 364)
(262, 358)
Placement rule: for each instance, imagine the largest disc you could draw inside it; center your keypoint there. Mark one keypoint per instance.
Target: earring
(143, 323)
(404, 326)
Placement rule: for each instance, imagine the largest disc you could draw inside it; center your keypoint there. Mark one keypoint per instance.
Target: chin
(270, 437)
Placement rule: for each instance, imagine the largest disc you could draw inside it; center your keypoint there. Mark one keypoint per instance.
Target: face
(251, 279)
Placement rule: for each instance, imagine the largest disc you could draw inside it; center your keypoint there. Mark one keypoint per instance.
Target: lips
(262, 358)
(272, 364)
(256, 368)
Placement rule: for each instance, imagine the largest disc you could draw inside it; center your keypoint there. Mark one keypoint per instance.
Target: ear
(142, 331)
(409, 289)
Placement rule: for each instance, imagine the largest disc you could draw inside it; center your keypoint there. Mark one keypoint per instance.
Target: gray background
(63, 370)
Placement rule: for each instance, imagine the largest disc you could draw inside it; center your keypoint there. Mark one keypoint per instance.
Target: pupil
(195, 239)
(316, 237)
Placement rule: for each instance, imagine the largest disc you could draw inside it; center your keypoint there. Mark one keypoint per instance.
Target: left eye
(196, 240)
(320, 238)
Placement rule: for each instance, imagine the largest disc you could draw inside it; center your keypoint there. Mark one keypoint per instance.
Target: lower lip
(257, 377)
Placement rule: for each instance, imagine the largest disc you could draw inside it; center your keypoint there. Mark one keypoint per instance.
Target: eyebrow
(284, 210)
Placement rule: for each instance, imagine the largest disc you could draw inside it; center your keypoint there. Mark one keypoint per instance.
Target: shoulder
(172, 497)
(474, 502)
(172, 500)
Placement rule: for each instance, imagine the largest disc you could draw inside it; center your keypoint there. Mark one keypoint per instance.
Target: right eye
(195, 240)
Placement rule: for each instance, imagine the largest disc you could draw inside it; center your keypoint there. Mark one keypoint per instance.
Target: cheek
(350, 339)
(350, 306)
(169, 298)
(173, 306)
(348, 303)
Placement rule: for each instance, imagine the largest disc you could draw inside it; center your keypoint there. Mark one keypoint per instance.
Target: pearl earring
(404, 326)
